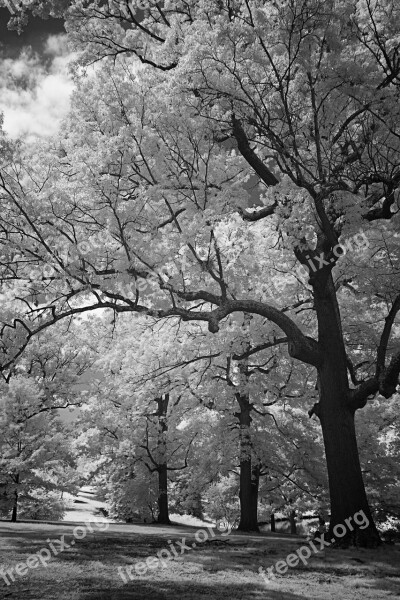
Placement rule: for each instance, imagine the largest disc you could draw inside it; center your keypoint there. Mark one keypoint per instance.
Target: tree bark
(346, 486)
(162, 469)
(14, 514)
(197, 508)
(248, 495)
(14, 510)
(292, 520)
(163, 510)
(273, 527)
(254, 487)
(249, 474)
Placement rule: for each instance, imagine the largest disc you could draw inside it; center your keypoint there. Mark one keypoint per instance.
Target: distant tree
(35, 456)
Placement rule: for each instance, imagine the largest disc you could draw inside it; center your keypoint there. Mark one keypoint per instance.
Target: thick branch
(250, 156)
(300, 346)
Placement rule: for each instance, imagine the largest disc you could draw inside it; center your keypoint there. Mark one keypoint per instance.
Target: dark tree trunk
(249, 474)
(14, 510)
(14, 514)
(273, 528)
(255, 482)
(197, 507)
(248, 496)
(163, 511)
(346, 486)
(292, 520)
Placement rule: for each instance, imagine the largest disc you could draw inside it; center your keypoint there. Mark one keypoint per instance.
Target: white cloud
(35, 94)
(56, 45)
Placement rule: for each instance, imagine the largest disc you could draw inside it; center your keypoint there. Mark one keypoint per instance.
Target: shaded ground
(88, 569)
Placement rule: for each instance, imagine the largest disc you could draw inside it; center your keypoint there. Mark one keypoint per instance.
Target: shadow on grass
(94, 546)
(125, 549)
(91, 568)
(184, 590)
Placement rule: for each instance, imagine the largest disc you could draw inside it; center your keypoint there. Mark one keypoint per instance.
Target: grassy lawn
(88, 569)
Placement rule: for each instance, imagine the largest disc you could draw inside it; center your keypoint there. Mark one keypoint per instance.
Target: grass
(88, 569)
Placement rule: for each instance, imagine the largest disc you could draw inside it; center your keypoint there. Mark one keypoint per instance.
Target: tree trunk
(273, 528)
(292, 520)
(197, 507)
(255, 482)
(14, 513)
(248, 495)
(346, 486)
(249, 475)
(163, 511)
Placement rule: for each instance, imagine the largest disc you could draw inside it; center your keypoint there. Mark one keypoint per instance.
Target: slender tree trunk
(14, 514)
(248, 495)
(292, 520)
(197, 509)
(273, 528)
(346, 486)
(163, 510)
(249, 475)
(14, 510)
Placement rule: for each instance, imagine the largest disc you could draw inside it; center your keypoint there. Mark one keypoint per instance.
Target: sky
(35, 85)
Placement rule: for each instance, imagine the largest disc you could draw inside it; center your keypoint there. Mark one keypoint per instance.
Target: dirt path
(85, 506)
